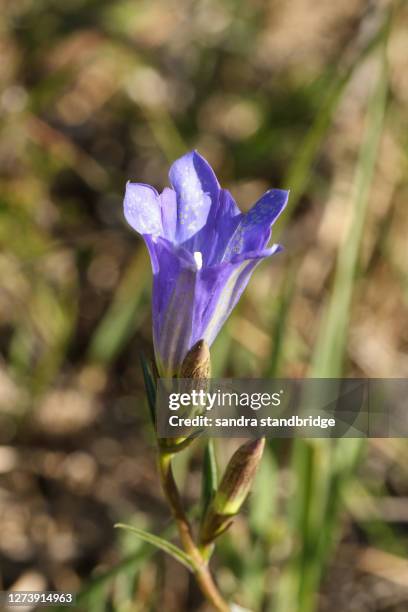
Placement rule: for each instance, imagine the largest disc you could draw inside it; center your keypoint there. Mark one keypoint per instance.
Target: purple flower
(203, 251)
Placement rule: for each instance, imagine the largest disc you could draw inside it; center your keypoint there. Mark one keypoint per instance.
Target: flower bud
(197, 362)
(233, 490)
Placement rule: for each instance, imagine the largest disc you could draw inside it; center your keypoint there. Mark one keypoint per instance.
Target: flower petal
(197, 189)
(174, 281)
(168, 204)
(142, 209)
(222, 221)
(254, 230)
(219, 289)
(190, 304)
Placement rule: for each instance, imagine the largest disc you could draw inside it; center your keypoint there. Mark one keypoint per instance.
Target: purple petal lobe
(142, 209)
(254, 229)
(268, 208)
(197, 188)
(168, 204)
(222, 221)
(218, 292)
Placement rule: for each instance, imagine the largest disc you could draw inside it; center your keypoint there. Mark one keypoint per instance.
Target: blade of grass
(321, 467)
(278, 334)
(330, 348)
(150, 388)
(210, 475)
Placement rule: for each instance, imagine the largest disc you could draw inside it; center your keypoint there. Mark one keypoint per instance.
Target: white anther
(198, 257)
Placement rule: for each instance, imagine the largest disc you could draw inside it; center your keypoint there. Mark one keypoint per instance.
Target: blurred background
(310, 96)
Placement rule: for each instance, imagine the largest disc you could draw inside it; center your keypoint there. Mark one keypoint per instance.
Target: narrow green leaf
(164, 545)
(330, 347)
(280, 322)
(150, 387)
(210, 475)
(263, 495)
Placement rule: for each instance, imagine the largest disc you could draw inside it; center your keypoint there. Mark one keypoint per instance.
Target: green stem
(202, 572)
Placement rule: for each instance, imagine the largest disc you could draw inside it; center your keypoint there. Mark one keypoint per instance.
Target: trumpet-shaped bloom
(203, 250)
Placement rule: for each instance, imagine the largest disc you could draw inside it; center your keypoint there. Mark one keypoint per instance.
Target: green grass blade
(150, 387)
(262, 499)
(331, 342)
(210, 475)
(279, 327)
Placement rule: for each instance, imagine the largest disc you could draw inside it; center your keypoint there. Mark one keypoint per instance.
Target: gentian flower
(203, 250)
